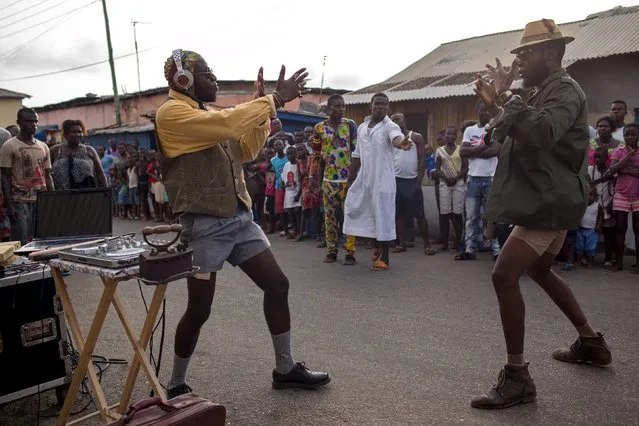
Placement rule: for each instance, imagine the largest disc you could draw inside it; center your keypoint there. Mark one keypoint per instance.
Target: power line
(45, 21)
(11, 4)
(76, 68)
(23, 10)
(22, 46)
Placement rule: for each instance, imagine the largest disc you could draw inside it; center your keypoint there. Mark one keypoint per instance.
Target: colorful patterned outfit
(334, 147)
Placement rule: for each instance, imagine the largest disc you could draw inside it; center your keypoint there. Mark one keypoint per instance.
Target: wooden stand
(86, 346)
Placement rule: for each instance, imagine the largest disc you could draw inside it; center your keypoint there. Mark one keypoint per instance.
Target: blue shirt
(278, 166)
(107, 162)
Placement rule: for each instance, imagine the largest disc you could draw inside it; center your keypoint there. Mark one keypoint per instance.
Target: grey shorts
(216, 240)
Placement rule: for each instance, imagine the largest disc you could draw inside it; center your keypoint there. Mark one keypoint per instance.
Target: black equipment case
(33, 336)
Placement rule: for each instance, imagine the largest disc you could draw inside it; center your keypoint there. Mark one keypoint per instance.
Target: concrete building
(10, 103)
(437, 90)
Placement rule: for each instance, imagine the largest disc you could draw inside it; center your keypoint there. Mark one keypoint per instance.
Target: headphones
(182, 78)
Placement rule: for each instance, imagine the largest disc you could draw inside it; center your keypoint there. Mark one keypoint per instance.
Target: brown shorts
(541, 240)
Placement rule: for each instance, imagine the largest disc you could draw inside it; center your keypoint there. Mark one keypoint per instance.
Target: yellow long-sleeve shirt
(184, 128)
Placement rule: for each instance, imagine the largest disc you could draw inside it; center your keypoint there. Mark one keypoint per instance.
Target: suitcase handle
(143, 405)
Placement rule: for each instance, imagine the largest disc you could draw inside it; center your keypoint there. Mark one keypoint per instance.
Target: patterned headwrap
(189, 63)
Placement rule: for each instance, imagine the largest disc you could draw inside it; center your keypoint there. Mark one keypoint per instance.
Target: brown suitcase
(188, 409)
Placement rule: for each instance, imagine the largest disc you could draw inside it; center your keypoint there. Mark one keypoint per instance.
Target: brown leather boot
(586, 350)
(513, 387)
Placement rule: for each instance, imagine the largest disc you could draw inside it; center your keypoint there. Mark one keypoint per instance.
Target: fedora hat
(538, 32)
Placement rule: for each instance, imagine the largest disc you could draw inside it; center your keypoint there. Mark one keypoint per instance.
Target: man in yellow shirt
(202, 152)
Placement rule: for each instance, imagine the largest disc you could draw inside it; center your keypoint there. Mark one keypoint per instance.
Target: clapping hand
(502, 79)
(259, 84)
(486, 91)
(294, 87)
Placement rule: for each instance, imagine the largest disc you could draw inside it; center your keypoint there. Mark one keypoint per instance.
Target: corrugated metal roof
(606, 34)
(10, 94)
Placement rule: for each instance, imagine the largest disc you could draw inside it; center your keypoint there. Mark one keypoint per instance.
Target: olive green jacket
(541, 180)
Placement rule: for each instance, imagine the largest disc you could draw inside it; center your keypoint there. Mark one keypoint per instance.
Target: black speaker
(33, 341)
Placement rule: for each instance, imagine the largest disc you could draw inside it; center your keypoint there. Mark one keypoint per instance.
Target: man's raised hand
(259, 84)
(293, 87)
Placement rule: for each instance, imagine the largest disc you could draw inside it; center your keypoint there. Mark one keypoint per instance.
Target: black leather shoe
(178, 390)
(300, 377)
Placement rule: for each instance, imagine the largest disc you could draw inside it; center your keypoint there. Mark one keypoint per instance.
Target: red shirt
(150, 169)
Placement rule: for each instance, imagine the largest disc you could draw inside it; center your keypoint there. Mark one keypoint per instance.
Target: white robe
(369, 208)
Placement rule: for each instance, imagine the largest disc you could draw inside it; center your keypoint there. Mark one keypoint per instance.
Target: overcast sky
(364, 44)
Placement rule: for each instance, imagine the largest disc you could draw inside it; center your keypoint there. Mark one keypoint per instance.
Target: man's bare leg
(198, 309)
(515, 384)
(265, 272)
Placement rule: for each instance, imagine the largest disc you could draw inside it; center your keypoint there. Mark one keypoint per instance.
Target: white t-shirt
(618, 134)
(478, 167)
(589, 221)
(290, 177)
(133, 177)
(406, 162)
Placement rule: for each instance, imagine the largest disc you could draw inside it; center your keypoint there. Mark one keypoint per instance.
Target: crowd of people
(29, 166)
(298, 184)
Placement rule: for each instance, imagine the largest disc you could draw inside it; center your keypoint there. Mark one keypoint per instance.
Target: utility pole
(116, 97)
(137, 57)
(322, 83)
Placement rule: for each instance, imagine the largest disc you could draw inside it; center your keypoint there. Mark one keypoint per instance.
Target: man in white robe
(369, 208)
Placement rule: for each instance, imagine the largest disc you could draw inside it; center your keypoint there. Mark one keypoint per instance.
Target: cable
(10, 4)
(27, 8)
(78, 67)
(22, 46)
(43, 22)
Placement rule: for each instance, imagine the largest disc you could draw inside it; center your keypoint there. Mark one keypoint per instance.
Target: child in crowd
(304, 165)
(123, 193)
(625, 163)
(293, 192)
(134, 196)
(269, 189)
(113, 184)
(603, 181)
(587, 236)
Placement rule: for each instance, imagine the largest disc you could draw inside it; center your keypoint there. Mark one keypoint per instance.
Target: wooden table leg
(89, 346)
(140, 357)
(78, 338)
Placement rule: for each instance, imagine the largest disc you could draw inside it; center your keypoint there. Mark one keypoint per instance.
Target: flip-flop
(399, 249)
(430, 251)
(379, 265)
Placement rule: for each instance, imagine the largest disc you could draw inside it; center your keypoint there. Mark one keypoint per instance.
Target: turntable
(119, 252)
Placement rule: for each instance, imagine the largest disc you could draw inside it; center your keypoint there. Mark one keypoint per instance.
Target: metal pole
(116, 97)
(322, 82)
(137, 57)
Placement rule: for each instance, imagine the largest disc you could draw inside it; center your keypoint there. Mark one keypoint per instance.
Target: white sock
(284, 362)
(178, 377)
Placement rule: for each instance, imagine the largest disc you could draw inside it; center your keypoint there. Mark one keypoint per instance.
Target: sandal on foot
(607, 265)
(330, 258)
(568, 267)
(379, 265)
(399, 249)
(465, 256)
(430, 251)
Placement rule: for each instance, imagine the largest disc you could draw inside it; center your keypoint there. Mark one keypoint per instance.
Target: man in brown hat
(541, 187)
